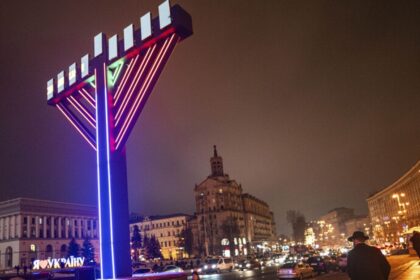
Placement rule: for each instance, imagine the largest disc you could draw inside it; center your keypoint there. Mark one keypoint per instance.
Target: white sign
(55, 263)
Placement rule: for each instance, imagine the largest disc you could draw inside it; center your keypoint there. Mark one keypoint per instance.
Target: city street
(403, 268)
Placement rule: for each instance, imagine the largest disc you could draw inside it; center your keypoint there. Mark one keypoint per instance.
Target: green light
(114, 71)
(91, 81)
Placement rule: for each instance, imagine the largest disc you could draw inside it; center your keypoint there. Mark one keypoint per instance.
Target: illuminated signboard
(56, 263)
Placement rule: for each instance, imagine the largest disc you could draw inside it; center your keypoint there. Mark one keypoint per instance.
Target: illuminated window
(32, 247)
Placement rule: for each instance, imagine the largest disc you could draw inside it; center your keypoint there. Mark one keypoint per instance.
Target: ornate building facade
(39, 229)
(227, 220)
(166, 229)
(395, 209)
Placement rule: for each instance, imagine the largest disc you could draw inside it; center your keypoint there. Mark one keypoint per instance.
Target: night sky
(312, 104)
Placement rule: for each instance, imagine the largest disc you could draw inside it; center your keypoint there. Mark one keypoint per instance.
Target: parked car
(295, 271)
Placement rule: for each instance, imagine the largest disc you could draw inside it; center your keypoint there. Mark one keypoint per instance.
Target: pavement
(404, 268)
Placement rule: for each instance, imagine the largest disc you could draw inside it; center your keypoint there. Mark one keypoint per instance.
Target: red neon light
(137, 102)
(87, 96)
(137, 77)
(142, 91)
(82, 111)
(151, 42)
(76, 126)
(124, 79)
(124, 126)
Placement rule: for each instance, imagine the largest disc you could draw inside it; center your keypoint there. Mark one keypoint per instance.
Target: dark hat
(358, 235)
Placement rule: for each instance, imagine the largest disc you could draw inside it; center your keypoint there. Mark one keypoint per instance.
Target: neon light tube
(62, 110)
(126, 122)
(143, 90)
(124, 78)
(82, 111)
(135, 80)
(137, 102)
(109, 173)
(133, 85)
(83, 108)
(87, 97)
(99, 196)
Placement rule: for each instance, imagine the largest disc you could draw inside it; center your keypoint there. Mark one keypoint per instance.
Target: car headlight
(206, 267)
(213, 266)
(248, 265)
(240, 265)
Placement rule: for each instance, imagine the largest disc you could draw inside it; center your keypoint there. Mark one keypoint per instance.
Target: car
(217, 265)
(279, 259)
(318, 263)
(171, 268)
(143, 270)
(249, 264)
(295, 271)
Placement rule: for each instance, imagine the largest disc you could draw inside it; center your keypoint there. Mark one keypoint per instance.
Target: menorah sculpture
(103, 99)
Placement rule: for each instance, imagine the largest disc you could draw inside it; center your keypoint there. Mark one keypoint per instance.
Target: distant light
(164, 14)
(146, 26)
(60, 81)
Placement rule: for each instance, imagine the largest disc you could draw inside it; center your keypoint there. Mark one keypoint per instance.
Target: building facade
(166, 229)
(330, 230)
(395, 209)
(33, 229)
(228, 221)
(358, 223)
(259, 220)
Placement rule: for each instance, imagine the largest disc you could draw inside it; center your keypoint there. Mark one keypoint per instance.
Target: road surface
(402, 268)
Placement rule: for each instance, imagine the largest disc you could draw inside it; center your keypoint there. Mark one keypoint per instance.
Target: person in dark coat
(415, 239)
(366, 262)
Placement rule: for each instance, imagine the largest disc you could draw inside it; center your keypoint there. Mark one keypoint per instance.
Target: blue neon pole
(112, 185)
